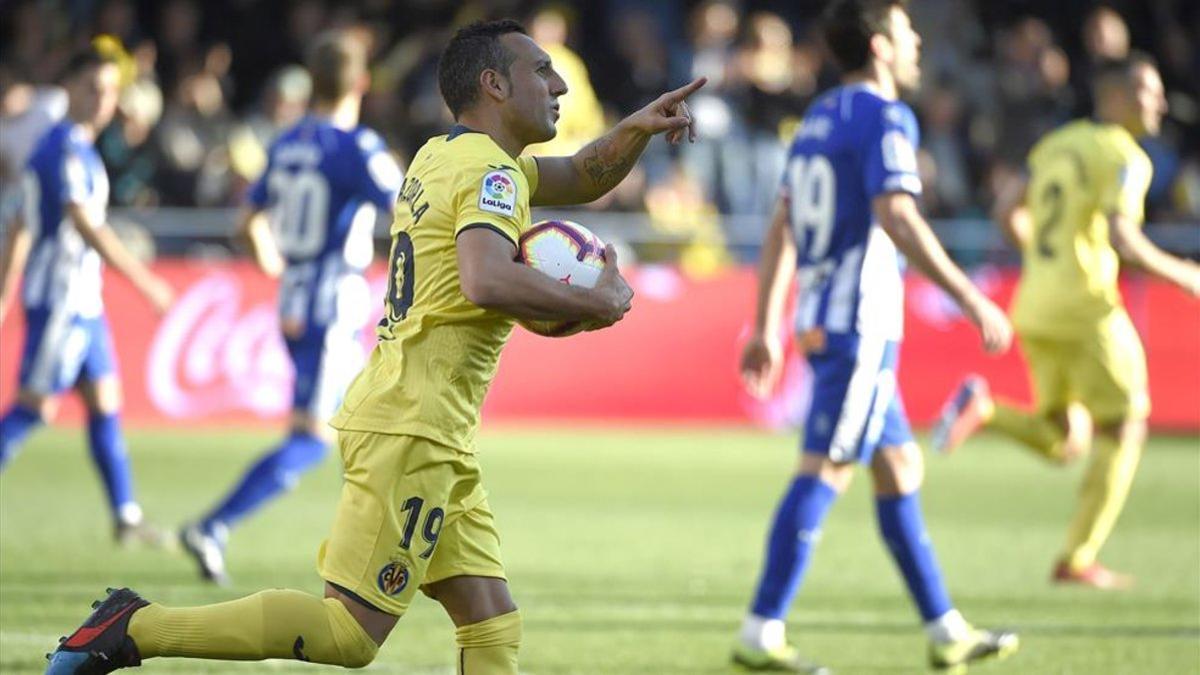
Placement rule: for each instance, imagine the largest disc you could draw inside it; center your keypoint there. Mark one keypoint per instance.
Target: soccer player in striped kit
(846, 213)
(61, 239)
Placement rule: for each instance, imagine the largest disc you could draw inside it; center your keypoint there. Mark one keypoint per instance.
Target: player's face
(94, 94)
(906, 45)
(1149, 99)
(535, 88)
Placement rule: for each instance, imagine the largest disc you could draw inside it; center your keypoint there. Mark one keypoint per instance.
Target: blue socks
(903, 530)
(795, 532)
(112, 461)
(14, 427)
(273, 474)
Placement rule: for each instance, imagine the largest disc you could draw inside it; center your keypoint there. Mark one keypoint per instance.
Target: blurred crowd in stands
(210, 84)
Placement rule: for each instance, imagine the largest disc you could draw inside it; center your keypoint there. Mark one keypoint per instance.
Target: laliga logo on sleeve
(498, 194)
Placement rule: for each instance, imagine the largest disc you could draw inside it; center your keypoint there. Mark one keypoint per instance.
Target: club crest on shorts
(393, 578)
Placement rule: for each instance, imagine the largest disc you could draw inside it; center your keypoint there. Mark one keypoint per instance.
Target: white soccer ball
(567, 252)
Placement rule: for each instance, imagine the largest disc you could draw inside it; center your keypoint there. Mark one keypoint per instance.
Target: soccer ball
(565, 251)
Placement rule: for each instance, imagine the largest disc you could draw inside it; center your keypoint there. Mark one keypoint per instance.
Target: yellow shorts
(412, 512)
(1104, 370)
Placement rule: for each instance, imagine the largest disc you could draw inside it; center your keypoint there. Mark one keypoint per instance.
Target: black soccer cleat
(102, 644)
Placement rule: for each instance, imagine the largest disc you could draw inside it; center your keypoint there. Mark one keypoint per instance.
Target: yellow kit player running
(413, 512)
(1078, 212)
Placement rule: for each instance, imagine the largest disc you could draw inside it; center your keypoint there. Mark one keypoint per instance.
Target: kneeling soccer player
(413, 512)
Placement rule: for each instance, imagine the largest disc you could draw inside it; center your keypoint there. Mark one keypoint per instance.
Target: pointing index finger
(686, 90)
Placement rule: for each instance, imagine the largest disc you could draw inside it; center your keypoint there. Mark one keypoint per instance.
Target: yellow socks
(1037, 432)
(489, 647)
(1101, 498)
(276, 624)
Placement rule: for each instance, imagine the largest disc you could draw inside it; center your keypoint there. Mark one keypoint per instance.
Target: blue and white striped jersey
(323, 186)
(852, 146)
(63, 271)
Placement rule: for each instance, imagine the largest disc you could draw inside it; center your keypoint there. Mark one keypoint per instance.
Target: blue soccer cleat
(963, 414)
(102, 644)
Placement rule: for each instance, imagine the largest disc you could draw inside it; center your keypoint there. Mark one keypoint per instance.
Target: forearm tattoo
(607, 163)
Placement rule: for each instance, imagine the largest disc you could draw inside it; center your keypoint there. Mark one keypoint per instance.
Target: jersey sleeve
(1128, 181)
(380, 176)
(489, 196)
(257, 196)
(890, 163)
(529, 166)
(74, 176)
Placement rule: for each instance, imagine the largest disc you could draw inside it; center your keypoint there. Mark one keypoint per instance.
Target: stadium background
(216, 80)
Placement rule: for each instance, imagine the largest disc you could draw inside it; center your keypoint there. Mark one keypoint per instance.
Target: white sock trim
(949, 627)
(763, 633)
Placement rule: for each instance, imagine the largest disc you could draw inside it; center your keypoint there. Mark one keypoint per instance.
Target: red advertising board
(216, 357)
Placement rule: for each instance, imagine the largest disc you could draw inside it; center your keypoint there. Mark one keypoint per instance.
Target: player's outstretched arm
(101, 237)
(12, 261)
(897, 213)
(492, 279)
(1137, 250)
(255, 231)
(1011, 214)
(762, 357)
(602, 164)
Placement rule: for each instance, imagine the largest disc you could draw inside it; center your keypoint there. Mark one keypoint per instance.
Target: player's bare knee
(45, 406)
(307, 423)
(836, 475)
(471, 599)
(102, 396)
(898, 470)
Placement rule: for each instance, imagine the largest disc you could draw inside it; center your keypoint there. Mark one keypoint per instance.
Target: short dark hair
(1119, 71)
(848, 26)
(473, 49)
(86, 58)
(336, 61)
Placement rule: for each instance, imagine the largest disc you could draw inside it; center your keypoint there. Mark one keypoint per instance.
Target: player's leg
(1053, 430)
(466, 576)
(370, 576)
(45, 360)
(1111, 377)
(321, 375)
(30, 410)
(898, 471)
(844, 382)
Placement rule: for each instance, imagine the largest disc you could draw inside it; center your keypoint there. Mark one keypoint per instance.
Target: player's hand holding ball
(570, 254)
(762, 364)
(613, 293)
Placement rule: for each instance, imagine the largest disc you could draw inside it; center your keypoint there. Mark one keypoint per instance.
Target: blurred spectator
(191, 140)
(1105, 37)
(581, 119)
(722, 162)
(284, 102)
(130, 156)
(1032, 75)
(680, 210)
(948, 189)
(26, 112)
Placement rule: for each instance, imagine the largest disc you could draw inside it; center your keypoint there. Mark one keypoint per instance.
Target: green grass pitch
(635, 551)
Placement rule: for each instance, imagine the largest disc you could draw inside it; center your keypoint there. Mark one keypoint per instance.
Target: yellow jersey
(437, 352)
(1080, 175)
